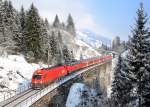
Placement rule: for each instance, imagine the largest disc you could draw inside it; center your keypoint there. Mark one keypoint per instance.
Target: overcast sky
(106, 17)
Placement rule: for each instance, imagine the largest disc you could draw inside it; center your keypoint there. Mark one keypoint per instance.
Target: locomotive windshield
(38, 77)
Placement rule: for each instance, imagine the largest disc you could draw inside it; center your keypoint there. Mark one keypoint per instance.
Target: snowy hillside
(86, 50)
(15, 72)
(78, 46)
(92, 38)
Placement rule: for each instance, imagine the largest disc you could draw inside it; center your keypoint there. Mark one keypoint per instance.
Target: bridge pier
(104, 78)
(99, 78)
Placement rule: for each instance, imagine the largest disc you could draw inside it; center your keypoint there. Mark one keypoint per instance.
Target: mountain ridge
(93, 39)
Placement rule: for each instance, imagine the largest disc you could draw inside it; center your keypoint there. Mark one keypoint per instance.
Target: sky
(108, 18)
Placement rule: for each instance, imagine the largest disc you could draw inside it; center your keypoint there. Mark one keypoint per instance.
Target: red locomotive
(43, 77)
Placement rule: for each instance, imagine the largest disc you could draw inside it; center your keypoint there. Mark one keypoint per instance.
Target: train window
(60, 64)
(38, 77)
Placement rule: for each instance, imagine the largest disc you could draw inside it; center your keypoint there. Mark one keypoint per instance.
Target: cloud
(86, 21)
(49, 8)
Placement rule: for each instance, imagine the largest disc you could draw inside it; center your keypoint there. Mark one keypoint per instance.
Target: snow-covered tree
(56, 22)
(66, 53)
(117, 84)
(138, 61)
(63, 26)
(9, 26)
(22, 17)
(47, 23)
(60, 48)
(33, 32)
(121, 85)
(54, 48)
(70, 25)
(44, 36)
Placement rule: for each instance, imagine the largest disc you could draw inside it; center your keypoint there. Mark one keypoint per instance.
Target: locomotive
(44, 77)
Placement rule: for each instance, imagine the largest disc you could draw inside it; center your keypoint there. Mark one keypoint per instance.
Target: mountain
(93, 39)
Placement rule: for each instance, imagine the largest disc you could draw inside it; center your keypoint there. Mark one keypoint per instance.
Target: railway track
(14, 100)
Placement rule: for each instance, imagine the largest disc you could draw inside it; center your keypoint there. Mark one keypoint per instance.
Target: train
(41, 78)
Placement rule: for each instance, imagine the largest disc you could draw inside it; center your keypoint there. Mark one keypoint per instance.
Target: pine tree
(1, 3)
(121, 85)
(1, 22)
(22, 17)
(63, 26)
(14, 24)
(48, 51)
(70, 25)
(146, 95)
(1, 29)
(54, 48)
(56, 23)
(66, 54)
(138, 66)
(44, 39)
(117, 83)
(9, 26)
(33, 32)
(47, 23)
(60, 45)
(17, 36)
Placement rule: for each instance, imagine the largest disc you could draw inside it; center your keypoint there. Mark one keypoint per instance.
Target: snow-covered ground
(15, 72)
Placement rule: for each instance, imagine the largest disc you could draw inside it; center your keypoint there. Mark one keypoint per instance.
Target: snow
(78, 46)
(78, 94)
(15, 72)
(74, 95)
(114, 62)
(86, 50)
(124, 54)
(93, 39)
